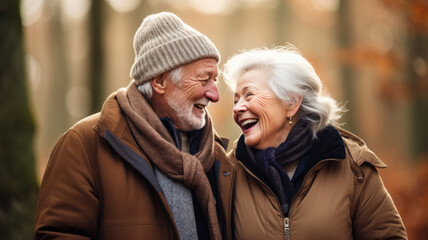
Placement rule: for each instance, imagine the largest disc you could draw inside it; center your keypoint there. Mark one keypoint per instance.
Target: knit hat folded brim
(164, 42)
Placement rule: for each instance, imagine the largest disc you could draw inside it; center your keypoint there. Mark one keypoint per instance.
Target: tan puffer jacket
(338, 199)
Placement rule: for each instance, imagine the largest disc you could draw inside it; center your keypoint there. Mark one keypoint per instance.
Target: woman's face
(260, 114)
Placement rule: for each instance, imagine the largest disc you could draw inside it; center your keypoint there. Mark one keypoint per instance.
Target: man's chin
(199, 124)
(193, 124)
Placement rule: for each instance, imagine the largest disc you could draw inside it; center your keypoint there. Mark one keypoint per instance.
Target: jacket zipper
(286, 219)
(286, 228)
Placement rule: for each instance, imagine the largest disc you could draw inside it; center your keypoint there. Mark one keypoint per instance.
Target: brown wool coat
(99, 185)
(339, 199)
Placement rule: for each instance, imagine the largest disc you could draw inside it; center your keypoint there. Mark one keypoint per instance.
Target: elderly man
(149, 165)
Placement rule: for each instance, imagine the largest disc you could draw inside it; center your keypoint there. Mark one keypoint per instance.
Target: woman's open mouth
(247, 124)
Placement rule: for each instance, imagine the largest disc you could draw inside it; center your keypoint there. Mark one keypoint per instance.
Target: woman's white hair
(291, 76)
(175, 76)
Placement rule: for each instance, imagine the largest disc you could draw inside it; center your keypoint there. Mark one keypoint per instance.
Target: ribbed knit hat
(164, 42)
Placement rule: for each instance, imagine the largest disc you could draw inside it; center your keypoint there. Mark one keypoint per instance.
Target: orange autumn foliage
(408, 185)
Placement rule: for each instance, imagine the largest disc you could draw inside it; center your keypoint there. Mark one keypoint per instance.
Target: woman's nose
(239, 107)
(212, 92)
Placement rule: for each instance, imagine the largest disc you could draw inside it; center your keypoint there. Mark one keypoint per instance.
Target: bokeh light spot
(31, 11)
(124, 6)
(420, 66)
(34, 71)
(210, 6)
(326, 5)
(75, 10)
(78, 101)
(381, 38)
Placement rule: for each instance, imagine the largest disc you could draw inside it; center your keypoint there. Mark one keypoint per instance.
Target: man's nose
(212, 92)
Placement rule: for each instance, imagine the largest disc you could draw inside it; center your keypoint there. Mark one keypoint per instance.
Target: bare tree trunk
(346, 73)
(96, 69)
(417, 49)
(18, 184)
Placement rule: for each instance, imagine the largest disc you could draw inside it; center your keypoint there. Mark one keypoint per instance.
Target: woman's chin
(250, 141)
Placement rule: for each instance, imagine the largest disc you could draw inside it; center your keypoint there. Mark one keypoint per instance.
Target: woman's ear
(293, 108)
(159, 84)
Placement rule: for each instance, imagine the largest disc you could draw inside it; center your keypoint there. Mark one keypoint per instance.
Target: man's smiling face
(189, 98)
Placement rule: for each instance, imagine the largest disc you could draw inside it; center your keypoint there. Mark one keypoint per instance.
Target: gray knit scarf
(156, 142)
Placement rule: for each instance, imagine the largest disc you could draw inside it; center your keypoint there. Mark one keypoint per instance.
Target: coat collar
(359, 151)
(113, 120)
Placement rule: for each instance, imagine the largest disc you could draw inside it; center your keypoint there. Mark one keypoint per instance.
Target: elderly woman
(299, 176)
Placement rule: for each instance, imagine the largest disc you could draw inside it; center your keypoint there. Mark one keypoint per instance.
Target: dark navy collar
(193, 136)
(328, 145)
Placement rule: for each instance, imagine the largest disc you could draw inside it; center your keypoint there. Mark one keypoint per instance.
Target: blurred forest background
(61, 58)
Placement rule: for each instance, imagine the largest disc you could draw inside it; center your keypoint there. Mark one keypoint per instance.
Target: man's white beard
(184, 111)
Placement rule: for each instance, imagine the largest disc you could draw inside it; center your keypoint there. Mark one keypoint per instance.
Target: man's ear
(159, 83)
(293, 108)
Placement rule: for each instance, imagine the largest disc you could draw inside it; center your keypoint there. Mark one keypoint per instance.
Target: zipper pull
(287, 228)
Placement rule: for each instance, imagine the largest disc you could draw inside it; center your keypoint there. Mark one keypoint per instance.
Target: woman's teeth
(246, 124)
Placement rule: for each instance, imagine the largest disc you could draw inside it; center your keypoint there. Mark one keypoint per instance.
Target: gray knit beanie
(164, 42)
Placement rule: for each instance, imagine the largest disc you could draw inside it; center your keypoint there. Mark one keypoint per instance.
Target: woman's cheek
(264, 125)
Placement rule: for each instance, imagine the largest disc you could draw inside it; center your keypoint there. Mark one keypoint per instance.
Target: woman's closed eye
(248, 94)
(235, 101)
